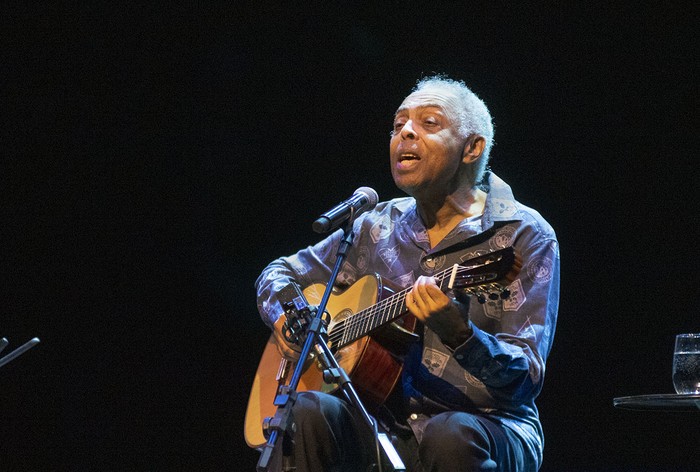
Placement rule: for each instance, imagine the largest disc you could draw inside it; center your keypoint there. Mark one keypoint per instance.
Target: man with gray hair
(465, 399)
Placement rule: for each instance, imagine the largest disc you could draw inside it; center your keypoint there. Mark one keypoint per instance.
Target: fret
(384, 310)
(355, 331)
(366, 322)
(345, 332)
(384, 313)
(400, 305)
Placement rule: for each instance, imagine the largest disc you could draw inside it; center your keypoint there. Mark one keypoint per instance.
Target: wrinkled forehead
(432, 96)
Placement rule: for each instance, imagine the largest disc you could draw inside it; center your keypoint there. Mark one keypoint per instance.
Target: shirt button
(459, 356)
(413, 417)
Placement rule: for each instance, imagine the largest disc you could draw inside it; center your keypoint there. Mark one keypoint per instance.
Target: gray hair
(474, 116)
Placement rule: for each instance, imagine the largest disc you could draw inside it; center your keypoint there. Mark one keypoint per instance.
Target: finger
(420, 296)
(413, 306)
(424, 281)
(428, 294)
(437, 298)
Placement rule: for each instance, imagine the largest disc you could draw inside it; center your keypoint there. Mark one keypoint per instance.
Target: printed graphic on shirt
(493, 308)
(363, 258)
(381, 229)
(473, 380)
(540, 269)
(502, 238)
(403, 233)
(434, 361)
(431, 264)
(347, 275)
(503, 208)
(389, 255)
(419, 232)
(406, 280)
(517, 296)
(527, 330)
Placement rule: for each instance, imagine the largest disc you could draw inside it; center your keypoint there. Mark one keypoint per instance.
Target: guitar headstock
(492, 273)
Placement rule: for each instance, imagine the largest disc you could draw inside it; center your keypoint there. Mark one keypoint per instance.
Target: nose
(407, 131)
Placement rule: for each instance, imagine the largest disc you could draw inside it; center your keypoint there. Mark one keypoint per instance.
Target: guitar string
(350, 328)
(355, 327)
(346, 329)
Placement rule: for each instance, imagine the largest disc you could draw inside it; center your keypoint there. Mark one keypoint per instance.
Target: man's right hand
(286, 349)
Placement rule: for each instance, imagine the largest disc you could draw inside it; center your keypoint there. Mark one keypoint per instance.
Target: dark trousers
(331, 437)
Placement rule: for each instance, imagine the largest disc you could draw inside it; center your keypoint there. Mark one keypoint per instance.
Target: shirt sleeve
(511, 360)
(310, 265)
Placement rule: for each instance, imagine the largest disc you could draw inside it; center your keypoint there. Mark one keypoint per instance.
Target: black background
(156, 158)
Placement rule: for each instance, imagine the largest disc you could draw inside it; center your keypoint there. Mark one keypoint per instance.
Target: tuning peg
(481, 298)
(493, 296)
(505, 294)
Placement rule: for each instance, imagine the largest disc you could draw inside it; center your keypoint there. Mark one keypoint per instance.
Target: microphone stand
(282, 423)
(17, 352)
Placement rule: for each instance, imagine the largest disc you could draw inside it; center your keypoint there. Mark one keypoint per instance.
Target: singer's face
(426, 148)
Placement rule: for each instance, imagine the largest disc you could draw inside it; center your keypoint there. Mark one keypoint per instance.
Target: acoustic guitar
(367, 326)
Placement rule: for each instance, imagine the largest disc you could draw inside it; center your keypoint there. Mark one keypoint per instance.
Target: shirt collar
(500, 203)
(500, 206)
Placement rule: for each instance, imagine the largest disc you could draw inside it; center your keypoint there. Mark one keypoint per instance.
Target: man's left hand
(443, 315)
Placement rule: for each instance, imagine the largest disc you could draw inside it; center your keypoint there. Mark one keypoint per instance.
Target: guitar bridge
(282, 370)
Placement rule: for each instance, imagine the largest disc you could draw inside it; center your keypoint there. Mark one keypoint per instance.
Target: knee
(309, 411)
(454, 435)
(326, 435)
(450, 428)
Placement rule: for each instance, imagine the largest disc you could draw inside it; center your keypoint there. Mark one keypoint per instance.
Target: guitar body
(370, 325)
(374, 369)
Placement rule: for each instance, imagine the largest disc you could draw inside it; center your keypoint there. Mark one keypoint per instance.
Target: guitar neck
(365, 321)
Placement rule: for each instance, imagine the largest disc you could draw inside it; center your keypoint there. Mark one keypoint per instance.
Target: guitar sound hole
(338, 318)
(346, 313)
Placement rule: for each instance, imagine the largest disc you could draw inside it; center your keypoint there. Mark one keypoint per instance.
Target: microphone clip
(298, 313)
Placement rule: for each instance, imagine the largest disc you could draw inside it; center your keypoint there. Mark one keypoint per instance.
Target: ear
(473, 149)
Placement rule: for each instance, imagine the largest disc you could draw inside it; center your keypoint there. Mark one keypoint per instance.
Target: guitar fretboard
(365, 321)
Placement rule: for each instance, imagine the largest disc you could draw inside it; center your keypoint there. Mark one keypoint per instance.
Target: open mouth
(407, 156)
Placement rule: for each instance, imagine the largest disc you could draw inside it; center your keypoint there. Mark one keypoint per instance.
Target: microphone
(362, 200)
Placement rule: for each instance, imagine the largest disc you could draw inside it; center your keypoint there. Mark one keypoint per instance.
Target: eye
(398, 125)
